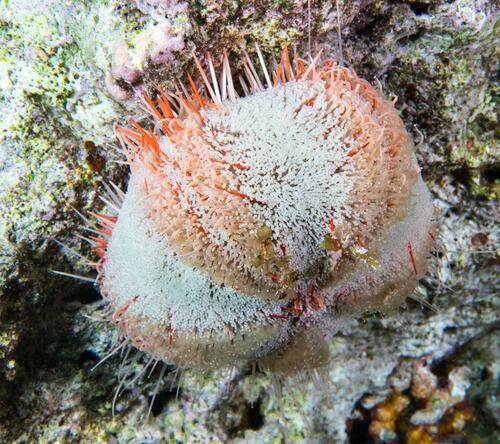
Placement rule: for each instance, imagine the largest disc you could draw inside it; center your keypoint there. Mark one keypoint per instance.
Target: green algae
(51, 103)
(461, 95)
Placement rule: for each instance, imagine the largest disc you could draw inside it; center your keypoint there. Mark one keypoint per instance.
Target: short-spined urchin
(254, 220)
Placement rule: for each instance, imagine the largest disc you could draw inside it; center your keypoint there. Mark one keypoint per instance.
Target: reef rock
(70, 71)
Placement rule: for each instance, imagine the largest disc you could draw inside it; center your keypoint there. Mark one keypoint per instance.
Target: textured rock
(59, 100)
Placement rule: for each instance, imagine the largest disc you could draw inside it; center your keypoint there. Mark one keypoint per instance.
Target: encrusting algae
(256, 216)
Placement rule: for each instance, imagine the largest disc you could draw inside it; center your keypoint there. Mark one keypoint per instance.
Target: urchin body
(251, 224)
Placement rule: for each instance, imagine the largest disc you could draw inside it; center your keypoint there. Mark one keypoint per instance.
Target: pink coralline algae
(156, 45)
(258, 215)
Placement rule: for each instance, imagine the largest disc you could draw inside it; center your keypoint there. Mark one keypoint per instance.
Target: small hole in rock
(420, 8)
(491, 174)
(359, 430)
(86, 294)
(255, 417)
(161, 400)
(462, 175)
(87, 359)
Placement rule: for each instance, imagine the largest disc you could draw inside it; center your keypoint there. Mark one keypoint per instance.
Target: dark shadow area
(251, 419)
(87, 359)
(162, 399)
(255, 416)
(358, 429)
(51, 345)
(85, 293)
(462, 175)
(491, 173)
(420, 8)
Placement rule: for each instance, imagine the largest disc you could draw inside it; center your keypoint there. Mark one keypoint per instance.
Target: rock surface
(69, 71)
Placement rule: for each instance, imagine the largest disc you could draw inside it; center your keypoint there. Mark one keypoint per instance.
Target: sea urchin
(257, 216)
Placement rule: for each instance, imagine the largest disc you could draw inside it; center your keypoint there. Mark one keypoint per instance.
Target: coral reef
(440, 58)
